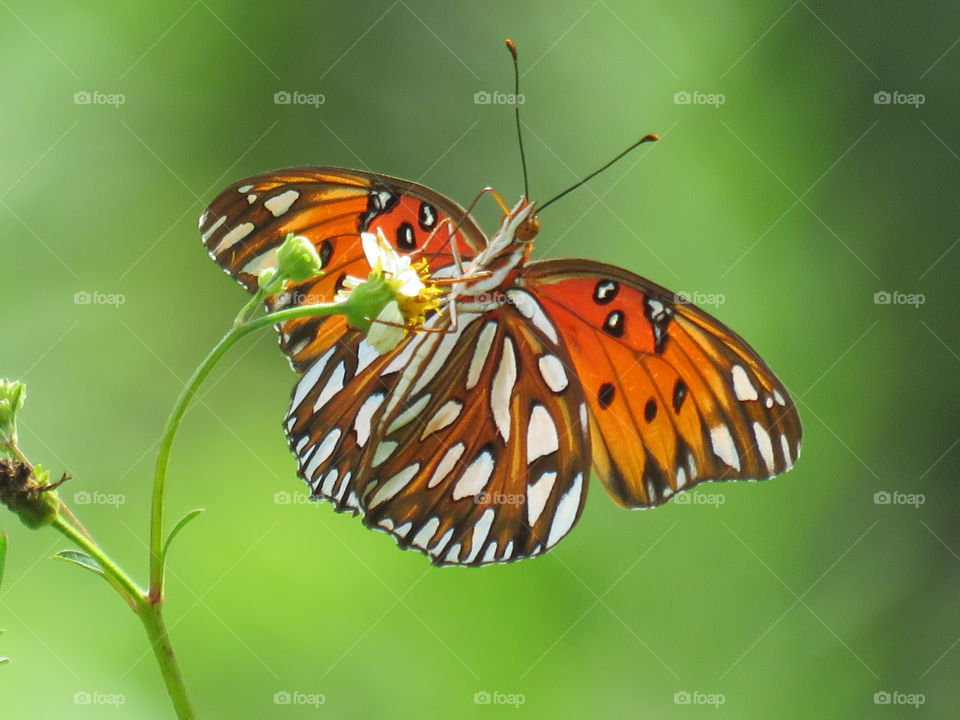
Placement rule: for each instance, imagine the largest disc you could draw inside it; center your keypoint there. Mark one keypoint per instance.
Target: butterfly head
(529, 227)
(521, 224)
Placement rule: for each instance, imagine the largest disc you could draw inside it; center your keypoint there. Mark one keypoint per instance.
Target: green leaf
(180, 526)
(3, 553)
(81, 559)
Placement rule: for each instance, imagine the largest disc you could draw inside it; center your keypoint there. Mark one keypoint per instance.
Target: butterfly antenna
(512, 47)
(638, 143)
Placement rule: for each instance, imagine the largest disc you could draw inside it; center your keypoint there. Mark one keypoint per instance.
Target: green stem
(150, 615)
(176, 416)
(130, 591)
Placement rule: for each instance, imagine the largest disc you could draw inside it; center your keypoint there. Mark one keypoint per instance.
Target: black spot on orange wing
(605, 396)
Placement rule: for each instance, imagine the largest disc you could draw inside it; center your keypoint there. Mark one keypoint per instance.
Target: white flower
(380, 253)
(393, 299)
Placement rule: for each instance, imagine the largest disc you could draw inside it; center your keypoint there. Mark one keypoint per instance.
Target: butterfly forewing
(246, 224)
(675, 397)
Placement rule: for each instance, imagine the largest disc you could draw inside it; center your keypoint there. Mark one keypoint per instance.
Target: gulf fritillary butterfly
(474, 444)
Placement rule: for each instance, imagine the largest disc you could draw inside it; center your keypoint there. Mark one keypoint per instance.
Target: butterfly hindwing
(675, 397)
(483, 452)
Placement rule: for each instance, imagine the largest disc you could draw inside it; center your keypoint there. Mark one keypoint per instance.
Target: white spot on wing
(766, 447)
(553, 373)
(279, 204)
(409, 414)
(384, 450)
(502, 390)
(394, 485)
(328, 482)
(453, 554)
(442, 542)
(426, 533)
(566, 512)
(309, 379)
(233, 237)
(333, 386)
(480, 352)
(475, 477)
(723, 446)
(344, 484)
(530, 309)
(785, 446)
(213, 228)
(541, 434)
(244, 188)
(443, 417)
(261, 262)
(441, 357)
(322, 453)
(537, 494)
(480, 532)
(779, 398)
(742, 386)
(364, 415)
(446, 464)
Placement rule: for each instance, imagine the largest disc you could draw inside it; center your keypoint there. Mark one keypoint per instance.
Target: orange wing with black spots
(675, 397)
(246, 224)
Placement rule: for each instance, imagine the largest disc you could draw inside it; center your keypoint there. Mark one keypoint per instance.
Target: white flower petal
(371, 248)
(410, 284)
(384, 338)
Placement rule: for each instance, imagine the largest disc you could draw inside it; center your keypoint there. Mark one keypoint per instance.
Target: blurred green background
(794, 200)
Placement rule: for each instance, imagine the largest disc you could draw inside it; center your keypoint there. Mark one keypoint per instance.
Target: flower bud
(12, 395)
(297, 259)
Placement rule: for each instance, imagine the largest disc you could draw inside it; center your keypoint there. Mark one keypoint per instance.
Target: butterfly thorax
(496, 267)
